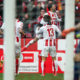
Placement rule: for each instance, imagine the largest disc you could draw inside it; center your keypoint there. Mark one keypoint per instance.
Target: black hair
(42, 9)
(50, 0)
(40, 25)
(17, 16)
(47, 19)
(49, 6)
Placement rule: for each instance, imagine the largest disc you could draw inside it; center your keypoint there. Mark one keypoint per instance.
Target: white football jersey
(49, 34)
(54, 18)
(19, 25)
(43, 22)
(38, 35)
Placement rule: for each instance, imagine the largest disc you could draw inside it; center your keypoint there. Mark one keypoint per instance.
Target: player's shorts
(18, 48)
(49, 50)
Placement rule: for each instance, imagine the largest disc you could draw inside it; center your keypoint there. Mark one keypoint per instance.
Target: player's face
(53, 7)
(50, 2)
(42, 12)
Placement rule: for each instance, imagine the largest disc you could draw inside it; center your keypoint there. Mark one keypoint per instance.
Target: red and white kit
(54, 18)
(49, 37)
(19, 25)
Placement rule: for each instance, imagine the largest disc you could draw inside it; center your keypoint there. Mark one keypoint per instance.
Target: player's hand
(66, 31)
(25, 35)
(23, 49)
(63, 34)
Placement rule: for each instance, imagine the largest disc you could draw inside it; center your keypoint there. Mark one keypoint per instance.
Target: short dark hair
(17, 16)
(40, 25)
(42, 9)
(49, 6)
(47, 18)
(50, 0)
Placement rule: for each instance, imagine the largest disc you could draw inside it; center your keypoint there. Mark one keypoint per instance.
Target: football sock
(43, 66)
(54, 66)
(17, 65)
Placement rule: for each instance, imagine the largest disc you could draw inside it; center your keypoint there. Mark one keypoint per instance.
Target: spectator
(77, 63)
(1, 22)
(24, 7)
(36, 10)
(50, 1)
(25, 23)
(77, 34)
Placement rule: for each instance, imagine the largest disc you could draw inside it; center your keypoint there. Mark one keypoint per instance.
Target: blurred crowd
(31, 12)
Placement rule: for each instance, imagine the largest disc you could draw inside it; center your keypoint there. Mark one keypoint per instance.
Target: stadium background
(28, 12)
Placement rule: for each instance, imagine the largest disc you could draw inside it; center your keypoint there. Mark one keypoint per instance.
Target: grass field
(37, 77)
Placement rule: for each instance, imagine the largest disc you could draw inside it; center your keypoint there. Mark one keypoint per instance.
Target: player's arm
(30, 43)
(77, 27)
(58, 19)
(60, 34)
(34, 40)
(40, 31)
(58, 30)
(67, 31)
(21, 31)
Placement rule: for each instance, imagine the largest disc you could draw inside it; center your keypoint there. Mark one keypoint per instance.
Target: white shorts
(49, 50)
(18, 48)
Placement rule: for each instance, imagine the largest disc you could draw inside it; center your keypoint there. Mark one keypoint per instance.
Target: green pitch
(37, 77)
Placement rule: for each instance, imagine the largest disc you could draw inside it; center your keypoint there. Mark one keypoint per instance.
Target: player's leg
(43, 65)
(17, 62)
(18, 52)
(54, 62)
(54, 65)
(44, 55)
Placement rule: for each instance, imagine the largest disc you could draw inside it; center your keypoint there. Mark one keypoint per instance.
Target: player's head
(39, 25)
(17, 17)
(50, 7)
(47, 19)
(42, 11)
